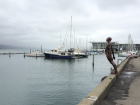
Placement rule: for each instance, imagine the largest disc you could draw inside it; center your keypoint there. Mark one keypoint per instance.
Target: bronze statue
(109, 52)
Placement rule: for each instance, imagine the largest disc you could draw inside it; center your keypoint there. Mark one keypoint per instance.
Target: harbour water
(40, 81)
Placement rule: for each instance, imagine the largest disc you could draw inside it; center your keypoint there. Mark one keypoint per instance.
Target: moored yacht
(60, 53)
(35, 53)
(126, 54)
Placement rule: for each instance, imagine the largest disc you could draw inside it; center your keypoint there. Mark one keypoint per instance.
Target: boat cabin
(54, 50)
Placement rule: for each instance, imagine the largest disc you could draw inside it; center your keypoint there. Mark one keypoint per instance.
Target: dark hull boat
(60, 53)
(47, 55)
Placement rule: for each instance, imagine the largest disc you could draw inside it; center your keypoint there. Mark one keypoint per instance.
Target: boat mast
(60, 39)
(86, 45)
(71, 32)
(74, 38)
(128, 44)
(41, 48)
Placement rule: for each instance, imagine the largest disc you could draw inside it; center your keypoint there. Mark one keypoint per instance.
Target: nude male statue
(109, 52)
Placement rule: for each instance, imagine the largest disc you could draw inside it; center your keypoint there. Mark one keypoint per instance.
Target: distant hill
(11, 47)
(21, 47)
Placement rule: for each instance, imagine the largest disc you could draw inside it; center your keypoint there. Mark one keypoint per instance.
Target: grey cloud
(114, 6)
(32, 22)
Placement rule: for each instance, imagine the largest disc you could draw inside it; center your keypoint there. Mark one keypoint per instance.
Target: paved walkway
(126, 89)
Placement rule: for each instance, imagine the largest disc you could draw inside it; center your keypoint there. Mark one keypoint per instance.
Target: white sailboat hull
(126, 54)
(34, 55)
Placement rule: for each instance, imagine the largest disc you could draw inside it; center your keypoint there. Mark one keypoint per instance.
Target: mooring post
(9, 54)
(36, 55)
(93, 60)
(24, 54)
(78, 55)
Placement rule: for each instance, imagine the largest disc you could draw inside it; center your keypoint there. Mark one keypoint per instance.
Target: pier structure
(96, 96)
(126, 90)
(121, 89)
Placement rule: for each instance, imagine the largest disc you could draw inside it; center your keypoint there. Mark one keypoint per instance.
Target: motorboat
(60, 53)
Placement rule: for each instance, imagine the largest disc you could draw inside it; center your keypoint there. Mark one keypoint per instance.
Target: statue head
(108, 39)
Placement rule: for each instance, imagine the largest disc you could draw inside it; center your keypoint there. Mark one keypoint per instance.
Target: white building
(100, 46)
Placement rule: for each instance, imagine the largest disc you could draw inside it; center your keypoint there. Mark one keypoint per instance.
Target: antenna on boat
(41, 48)
(128, 44)
(30, 49)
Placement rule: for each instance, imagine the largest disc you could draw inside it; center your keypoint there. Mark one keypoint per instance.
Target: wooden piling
(93, 60)
(78, 55)
(41, 48)
(36, 55)
(24, 54)
(118, 53)
(9, 54)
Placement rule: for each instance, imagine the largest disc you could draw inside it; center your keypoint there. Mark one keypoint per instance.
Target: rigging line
(83, 43)
(74, 38)
(77, 44)
(66, 41)
(66, 33)
(134, 49)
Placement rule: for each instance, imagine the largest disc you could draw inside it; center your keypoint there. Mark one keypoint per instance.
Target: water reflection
(49, 81)
(61, 60)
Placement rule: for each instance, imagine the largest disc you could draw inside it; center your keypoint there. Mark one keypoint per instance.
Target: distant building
(126, 47)
(100, 46)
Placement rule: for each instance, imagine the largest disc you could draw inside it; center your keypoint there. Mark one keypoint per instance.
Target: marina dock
(11, 53)
(118, 90)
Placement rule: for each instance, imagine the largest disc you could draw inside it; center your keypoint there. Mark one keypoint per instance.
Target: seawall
(98, 94)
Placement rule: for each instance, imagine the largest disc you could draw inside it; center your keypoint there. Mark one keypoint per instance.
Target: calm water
(31, 81)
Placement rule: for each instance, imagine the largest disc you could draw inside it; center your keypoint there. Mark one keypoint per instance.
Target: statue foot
(114, 72)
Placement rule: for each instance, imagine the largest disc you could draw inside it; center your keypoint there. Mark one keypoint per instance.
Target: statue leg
(115, 67)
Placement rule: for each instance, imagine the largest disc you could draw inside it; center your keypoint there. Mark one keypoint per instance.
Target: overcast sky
(39, 22)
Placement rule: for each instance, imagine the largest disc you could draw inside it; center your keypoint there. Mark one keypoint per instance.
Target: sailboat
(76, 52)
(60, 52)
(35, 53)
(131, 49)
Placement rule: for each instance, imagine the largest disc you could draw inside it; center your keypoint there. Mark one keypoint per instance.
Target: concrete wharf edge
(98, 94)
